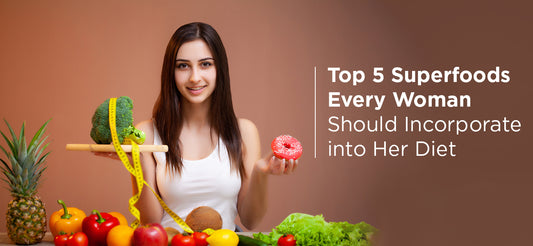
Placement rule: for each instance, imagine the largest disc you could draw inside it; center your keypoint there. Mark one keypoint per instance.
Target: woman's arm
(148, 205)
(252, 203)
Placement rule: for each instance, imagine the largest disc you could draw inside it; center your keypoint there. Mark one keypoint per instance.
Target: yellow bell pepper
(67, 220)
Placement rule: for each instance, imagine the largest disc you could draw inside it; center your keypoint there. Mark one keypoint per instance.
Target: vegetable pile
(314, 230)
(100, 132)
(71, 227)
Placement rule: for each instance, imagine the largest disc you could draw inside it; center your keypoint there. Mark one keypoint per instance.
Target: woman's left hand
(273, 165)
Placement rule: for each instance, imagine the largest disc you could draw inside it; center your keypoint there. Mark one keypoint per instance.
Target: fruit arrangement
(101, 228)
(70, 226)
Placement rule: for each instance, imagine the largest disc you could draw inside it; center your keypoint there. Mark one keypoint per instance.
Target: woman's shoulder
(148, 128)
(246, 126)
(145, 124)
(248, 130)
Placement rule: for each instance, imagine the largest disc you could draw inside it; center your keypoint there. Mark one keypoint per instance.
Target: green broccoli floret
(100, 132)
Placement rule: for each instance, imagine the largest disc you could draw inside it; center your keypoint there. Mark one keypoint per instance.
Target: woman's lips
(196, 90)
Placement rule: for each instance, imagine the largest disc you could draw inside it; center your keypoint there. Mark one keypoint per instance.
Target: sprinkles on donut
(286, 147)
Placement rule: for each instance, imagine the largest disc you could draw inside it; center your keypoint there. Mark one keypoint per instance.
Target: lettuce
(314, 230)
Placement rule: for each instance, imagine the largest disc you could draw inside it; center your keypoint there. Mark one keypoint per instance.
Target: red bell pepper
(97, 225)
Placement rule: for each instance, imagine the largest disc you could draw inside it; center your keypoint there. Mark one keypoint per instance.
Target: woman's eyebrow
(203, 59)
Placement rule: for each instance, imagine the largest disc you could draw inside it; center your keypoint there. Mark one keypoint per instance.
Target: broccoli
(100, 132)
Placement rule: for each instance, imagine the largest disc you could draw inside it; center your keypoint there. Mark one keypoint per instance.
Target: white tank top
(206, 182)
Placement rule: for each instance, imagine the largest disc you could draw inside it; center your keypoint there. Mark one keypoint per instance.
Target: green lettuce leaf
(314, 230)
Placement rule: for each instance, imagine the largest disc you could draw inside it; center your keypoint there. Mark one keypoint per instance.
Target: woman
(214, 158)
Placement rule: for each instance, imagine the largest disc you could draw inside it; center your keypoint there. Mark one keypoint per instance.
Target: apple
(150, 234)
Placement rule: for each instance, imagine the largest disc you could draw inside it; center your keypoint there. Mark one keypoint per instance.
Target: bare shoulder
(248, 129)
(147, 127)
(250, 140)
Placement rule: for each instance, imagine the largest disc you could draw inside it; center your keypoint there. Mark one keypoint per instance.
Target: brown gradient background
(60, 60)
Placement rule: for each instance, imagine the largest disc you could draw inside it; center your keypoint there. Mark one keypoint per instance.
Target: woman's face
(195, 72)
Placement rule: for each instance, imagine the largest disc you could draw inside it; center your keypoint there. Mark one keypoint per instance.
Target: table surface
(49, 240)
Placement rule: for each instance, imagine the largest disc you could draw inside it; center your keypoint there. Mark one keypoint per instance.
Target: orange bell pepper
(67, 220)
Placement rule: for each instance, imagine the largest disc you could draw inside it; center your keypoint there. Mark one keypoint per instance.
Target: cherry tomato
(78, 239)
(180, 240)
(200, 238)
(61, 240)
(287, 240)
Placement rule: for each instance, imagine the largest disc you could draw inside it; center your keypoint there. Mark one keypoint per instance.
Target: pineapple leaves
(7, 168)
(39, 163)
(38, 136)
(32, 152)
(15, 142)
(26, 161)
(37, 176)
(9, 143)
(23, 151)
(11, 178)
(3, 162)
(15, 166)
(22, 136)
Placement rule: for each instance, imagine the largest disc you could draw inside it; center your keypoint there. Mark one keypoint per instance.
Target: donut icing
(286, 147)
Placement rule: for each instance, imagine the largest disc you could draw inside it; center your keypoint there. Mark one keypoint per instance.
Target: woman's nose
(195, 75)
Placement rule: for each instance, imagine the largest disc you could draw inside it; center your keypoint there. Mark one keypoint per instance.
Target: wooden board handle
(110, 148)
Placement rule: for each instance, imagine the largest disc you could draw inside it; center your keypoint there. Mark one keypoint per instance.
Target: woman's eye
(182, 65)
(206, 64)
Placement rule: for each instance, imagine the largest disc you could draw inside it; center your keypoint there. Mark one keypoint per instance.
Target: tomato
(180, 240)
(61, 240)
(200, 238)
(78, 239)
(287, 240)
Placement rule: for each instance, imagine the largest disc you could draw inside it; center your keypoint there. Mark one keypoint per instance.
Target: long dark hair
(167, 112)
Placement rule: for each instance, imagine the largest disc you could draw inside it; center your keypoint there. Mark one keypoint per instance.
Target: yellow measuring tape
(136, 171)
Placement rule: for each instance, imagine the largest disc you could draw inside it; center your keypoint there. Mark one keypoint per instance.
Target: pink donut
(286, 147)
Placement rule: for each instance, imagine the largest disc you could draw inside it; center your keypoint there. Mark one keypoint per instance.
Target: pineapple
(26, 216)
